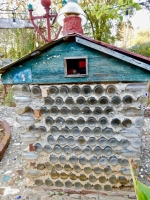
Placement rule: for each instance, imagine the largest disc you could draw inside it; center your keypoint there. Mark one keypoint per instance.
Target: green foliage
(104, 17)
(141, 48)
(9, 101)
(141, 190)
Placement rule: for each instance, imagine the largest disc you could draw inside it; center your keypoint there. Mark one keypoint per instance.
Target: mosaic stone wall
(80, 136)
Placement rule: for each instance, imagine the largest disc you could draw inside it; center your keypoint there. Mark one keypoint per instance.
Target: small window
(76, 66)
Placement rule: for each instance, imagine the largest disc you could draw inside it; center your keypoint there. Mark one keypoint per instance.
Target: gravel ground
(13, 183)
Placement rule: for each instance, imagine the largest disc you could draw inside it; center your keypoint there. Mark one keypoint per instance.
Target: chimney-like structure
(71, 17)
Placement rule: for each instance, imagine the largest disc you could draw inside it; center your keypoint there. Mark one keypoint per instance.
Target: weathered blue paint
(49, 67)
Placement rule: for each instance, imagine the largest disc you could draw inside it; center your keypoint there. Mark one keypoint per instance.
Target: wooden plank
(113, 53)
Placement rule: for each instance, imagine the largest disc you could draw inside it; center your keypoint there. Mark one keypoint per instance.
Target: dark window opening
(76, 66)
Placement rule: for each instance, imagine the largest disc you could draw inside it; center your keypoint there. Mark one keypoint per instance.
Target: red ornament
(46, 3)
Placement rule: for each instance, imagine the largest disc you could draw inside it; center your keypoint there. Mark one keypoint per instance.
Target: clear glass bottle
(107, 170)
(49, 121)
(87, 150)
(82, 160)
(54, 174)
(109, 111)
(98, 90)
(47, 149)
(82, 177)
(97, 111)
(75, 111)
(139, 122)
(93, 160)
(113, 142)
(57, 149)
(28, 138)
(92, 141)
(48, 166)
(67, 168)
(103, 160)
(40, 166)
(64, 111)
(125, 171)
(131, 133)
(64, 90)
(107, 187)
(62, 140)
(65, 131)
(38, 182)
(67, 150)
(87, 170)
(32, 173)
(51, 140)
(97, 170)
(103, 101)
(60, 121)
(92, 101)
(81, 141)
(108, 150)
(58, 167)
(59, 101)
(53, 90)
(73, 159)
(102, 179)
(77, 168)
(97, 187)
(132, 112)
(71, 141)
(44, 111)
(36, 91)
(143, 100)
(122, 180)
(26, 90)
(97, 131)
(111, 90)
(48, 101)
(81, 101)
(136, 88)
(63, 175)
(77, 150)
(54, 110)
(88, 186)
(62, 159)
(75, 90)
(127, 100)
(113, 160)
(48, 182)
(70, 122)
(108, 132)
(58, 183)
(137, 143)
(91, 121)
(103, 121)
(115, 122)
(102, 142)
(124, 162)
(113, 180)
(42, 130)
(53, 159)
(75, 131)
(124, 143)
(30, 156)
(78, 185)
(115, 101)
(68, 184)
(86, 90)
(92, 178)
(86, 132)
(86, 111)
(80, 121)
(72, 176)
(97, 150)
(127, 123)
(38, 147)
(69, 101)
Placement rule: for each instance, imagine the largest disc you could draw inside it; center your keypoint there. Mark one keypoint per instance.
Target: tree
(104, 17)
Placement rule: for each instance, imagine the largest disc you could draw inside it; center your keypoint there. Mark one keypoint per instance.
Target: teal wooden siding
(49, 67)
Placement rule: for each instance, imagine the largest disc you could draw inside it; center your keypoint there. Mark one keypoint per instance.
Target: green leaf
(121, 18)
(143, 192)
